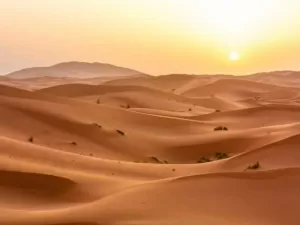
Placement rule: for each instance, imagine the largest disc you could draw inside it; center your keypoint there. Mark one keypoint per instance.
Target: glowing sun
(234, 56)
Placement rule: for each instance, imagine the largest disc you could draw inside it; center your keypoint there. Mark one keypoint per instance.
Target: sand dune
(166, 83)
(234, 89)
(284, 78)
(130, 97)
(255, 117)
(176, 83)
(145, 150)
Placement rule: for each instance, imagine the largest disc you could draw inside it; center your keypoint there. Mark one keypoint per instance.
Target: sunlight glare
(234, 56)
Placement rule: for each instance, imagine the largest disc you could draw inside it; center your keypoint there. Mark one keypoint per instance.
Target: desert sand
(143, 150)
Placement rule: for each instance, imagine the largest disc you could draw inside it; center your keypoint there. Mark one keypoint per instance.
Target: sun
(234, 56)
(228, 24)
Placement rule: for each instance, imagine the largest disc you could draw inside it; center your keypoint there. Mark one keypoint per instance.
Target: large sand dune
(144, 150)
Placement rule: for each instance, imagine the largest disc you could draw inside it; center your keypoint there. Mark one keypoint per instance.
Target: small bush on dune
(30, 139)
(97, 125)
(254, 166)
(221, 155)
(204, 160)
(154, 159)
(218, 128)
(126, 106)
(74, 143)
(218, 110)
(221, 128)
(98, 101)
(121, 132)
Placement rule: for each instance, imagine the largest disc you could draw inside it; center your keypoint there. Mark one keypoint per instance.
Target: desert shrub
(98, 101)
(154, 159)
(121, 132)
(221, 155)
(126, 106)
(74, 143)
(97, 125)
(255, 166)
(221, 128)
(204, 160)
(30, 139)
(218, 110)
(190, 109)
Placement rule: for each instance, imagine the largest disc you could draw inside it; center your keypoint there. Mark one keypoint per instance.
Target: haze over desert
(136, 112)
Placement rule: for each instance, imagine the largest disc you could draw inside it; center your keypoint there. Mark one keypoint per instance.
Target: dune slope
(152, 151)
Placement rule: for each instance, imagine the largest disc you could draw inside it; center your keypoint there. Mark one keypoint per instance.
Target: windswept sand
(128, 152)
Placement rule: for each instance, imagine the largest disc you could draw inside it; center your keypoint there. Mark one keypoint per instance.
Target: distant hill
(75, 69)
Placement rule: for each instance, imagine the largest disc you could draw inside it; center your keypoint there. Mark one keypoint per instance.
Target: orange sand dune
(232, 88)
(166, 83)
(147, 150)
(283, 78)
(176, 83)
(255, 117)
(129, 97)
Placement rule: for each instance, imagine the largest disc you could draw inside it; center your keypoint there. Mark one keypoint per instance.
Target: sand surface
(144, 151)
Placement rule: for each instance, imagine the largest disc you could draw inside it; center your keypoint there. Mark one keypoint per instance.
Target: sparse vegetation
(97, 125)
(154, 159)
(221, 128)
(190, 109)
(218, 110)
(217, 156)
(30, 139)
(98, 101)
(173, 170)
(221, 155)
(121, 132)
(126, 106)
(74, 143)
(204, 160)
(255, 166)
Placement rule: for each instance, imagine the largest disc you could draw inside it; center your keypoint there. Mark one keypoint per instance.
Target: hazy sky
(154, 36)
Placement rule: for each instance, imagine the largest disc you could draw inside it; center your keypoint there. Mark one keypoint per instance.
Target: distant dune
(75, 70)
(138, 149)
(283, 78)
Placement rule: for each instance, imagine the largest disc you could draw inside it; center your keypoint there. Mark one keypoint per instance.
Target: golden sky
(153, 36)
